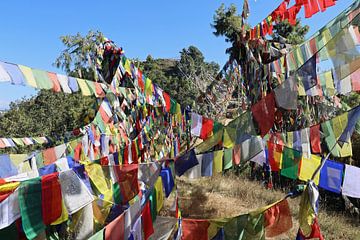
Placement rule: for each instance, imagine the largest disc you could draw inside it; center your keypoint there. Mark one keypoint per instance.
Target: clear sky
(30, 30)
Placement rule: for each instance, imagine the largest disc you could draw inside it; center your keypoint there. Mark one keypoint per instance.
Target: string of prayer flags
(21, 75)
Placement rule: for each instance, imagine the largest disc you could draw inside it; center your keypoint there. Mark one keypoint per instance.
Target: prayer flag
(168, 180)
(277, 219)
(42, 79)
(147, 222)
(28, 76)
(51, 198)
(331, 176)
(196, 124)
(64, 83)
(206, 128)
(228, 158)
(31, 207)
(264, 113)
(194, 229)
(17, 77)
(159, 194)
(351, 186)
(73, 84)
(115, 229)
(315, 139)
(353, 118)
(275, 152)
(308, 168)
(185, 162)
(218, 161)
(290, 163)
(206, 164)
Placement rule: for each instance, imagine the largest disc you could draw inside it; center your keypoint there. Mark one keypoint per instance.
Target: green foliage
(292, 34)
(78, 58)
(47, 114)
(227, 23)
(183, 79)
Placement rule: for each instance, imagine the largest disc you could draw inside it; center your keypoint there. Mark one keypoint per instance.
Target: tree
(291, 34)
(228, 23)
(47, 114)
(78, 59)
(184, 79)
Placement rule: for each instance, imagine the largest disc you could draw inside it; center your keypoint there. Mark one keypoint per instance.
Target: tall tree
(78, 59)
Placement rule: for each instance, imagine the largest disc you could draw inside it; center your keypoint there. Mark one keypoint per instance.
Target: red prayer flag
(127, 179)
(264, 113)
(194, 229)
(49, 156)
(147, 221)
(56, 85)
(273, 150)
(115, 229)
(167, 101)
(277, 219)
(51, 198)
(99, 90)
(315, 233)
(207, 128)
(236, 154)
(315, 139)
(140, 81)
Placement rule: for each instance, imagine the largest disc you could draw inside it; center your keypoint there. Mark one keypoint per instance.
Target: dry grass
(225, 196)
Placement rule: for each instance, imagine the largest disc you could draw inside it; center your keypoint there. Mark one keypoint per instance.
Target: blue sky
(30, 30)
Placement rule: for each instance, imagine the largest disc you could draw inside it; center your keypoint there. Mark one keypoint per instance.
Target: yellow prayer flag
(28, 75)
(101, 182)
(345, 150)
(306, 213)
(278, 158)
(329, 83)
(308, 167)
(339, 124)
(18, 160)
(9, 187)
(218, 161)
(84, 87)
(159, 194)
(128, 66)
(301, 89)
(290, 139)
(229, 138)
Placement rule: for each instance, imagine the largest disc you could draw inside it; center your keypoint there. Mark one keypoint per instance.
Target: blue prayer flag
(331, 176)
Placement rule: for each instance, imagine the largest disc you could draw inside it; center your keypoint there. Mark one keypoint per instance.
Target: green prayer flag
(18, 141)
(217, 127)
(42, 79)
(30, 207)
(172, 106)
(116, 193)
(245, 227)
(290, 163)
(153, 205)
(98, 236)
(228, 156)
